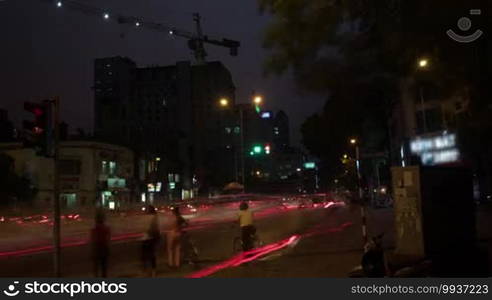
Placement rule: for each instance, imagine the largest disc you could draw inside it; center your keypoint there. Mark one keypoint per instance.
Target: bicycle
(237, 243)
(189, 251)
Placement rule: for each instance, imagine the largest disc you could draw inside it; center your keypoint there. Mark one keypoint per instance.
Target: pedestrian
(150, 241)
(174, 239)
(248, 230)
(100, 239)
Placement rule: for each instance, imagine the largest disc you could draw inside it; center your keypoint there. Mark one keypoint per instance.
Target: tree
(6, 131)
(13, 187)
(358, 52)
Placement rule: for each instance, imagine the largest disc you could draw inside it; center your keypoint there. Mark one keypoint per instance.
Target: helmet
(243, 205)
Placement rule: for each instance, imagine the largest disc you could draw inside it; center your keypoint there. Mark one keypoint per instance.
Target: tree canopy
(357, 52)
(12, 186)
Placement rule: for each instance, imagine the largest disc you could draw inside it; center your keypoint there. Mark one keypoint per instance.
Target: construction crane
(196, 41)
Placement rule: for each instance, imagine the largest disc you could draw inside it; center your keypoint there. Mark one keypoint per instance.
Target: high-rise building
(281, 131)
(170, 116)
(7, 130)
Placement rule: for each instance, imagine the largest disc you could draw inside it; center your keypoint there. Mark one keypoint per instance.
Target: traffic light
(39, 133)
(259, 149)
(256, 150)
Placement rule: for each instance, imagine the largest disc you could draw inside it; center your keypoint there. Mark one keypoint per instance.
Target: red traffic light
(38, 109)
(40, 123)
(38, 133)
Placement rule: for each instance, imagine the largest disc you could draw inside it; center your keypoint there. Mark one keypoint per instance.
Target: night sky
(45, 51)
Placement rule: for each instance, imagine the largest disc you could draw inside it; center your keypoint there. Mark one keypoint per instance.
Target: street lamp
(224, 102)
(353, 141)
(257, 100)
(423, 65)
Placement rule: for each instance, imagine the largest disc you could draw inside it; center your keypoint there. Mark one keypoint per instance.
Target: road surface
(213, 238)
(328, 243)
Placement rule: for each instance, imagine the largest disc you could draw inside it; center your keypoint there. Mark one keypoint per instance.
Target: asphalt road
(329, 245)
(214, 241)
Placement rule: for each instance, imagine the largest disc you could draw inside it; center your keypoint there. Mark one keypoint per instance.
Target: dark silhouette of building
(7, 130)
(281, 131)
(171, 117)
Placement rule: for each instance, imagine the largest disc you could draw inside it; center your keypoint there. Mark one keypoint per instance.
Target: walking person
(174, 239)
(245, 218)
(100, 239)
(150, 241)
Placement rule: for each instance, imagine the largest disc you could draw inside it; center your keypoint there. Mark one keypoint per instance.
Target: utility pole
(355, 143)
(55, 105)
(241, 117)
(422, 106)
(361, 195)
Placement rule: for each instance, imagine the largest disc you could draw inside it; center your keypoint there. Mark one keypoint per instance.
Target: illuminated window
(104, 167)
(112, 168)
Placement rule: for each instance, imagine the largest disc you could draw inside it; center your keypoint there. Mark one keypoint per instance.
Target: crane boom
(196, 40)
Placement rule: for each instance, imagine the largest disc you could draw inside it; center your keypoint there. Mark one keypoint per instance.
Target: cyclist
(245, 218)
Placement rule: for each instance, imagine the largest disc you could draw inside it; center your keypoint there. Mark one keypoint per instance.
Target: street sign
(309, 165)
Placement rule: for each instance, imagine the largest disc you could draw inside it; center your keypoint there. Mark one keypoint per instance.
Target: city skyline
(63, 66)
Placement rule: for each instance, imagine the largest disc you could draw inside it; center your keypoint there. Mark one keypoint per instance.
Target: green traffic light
(257, 149)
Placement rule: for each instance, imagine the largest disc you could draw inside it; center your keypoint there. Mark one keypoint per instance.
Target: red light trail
(200, 223)
(254, 254)
(245, 257)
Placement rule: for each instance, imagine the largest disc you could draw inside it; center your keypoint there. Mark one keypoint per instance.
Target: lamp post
(257, 100)
(354, 142)
(423, 64)
(241, 121)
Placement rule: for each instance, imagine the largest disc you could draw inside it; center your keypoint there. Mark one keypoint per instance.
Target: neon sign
(436, 150)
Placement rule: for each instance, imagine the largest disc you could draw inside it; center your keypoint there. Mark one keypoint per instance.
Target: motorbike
(375, 264)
